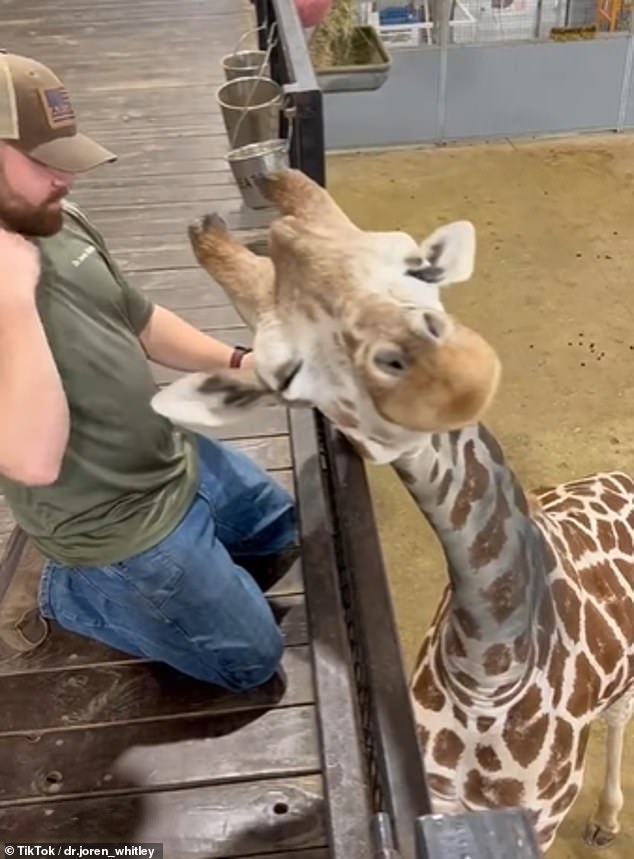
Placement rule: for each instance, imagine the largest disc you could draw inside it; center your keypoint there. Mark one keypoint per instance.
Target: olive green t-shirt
(128, 475)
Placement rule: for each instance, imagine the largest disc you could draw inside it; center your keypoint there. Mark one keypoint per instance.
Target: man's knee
(253, 663)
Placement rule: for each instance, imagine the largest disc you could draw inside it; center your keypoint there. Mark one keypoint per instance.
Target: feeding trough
(348, 54)
(364, 67)
(256, 160)
(250, 108)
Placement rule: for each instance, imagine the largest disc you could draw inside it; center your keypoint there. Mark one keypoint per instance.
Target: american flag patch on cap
(59, 110)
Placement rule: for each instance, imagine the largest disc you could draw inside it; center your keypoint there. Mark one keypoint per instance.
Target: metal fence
(401, 821)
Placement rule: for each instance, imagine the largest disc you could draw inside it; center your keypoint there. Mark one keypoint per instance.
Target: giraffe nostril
(434, 325)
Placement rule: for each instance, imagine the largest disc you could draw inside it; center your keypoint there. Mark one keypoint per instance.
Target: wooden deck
(95, 745)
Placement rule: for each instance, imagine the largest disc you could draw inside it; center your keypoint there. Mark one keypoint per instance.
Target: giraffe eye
(390, 361)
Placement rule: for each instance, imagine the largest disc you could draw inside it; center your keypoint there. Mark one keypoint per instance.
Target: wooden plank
(134, 230)
(99, 181)
(220, 821)
(64, 649)
(172, 168)
(135, 691)
(189, 751)
(216, 316)
(173, 293)
(271, 453)
(264, 422)
(155, 198)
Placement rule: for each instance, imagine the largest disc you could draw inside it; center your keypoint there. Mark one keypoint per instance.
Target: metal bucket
(245, 64)
(250, 109)
(257, 160)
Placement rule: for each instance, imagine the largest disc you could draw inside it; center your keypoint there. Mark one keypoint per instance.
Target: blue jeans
(186, 602)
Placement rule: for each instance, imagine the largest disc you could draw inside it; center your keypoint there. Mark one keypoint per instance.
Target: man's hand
(19, 267)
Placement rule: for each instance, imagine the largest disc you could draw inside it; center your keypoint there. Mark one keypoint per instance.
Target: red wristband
(237, 356)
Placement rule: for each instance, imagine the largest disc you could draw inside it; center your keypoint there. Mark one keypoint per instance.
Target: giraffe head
(347, 321)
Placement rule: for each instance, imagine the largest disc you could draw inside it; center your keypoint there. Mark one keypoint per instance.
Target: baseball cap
(37, 117)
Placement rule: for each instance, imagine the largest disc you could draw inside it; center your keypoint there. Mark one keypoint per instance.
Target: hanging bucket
(245, 64)
(250, 109)
(257, 160)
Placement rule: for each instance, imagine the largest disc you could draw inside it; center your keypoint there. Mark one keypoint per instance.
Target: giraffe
(533, 637)
(378, 352)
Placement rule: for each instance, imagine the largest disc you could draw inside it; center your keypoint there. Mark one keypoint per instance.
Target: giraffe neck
(497, 557)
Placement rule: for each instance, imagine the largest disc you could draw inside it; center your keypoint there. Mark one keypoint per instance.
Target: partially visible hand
(19, 267)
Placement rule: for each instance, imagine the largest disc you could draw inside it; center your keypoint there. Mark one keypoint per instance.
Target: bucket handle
(271, 43)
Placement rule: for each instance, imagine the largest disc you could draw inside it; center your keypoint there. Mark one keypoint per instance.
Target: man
(146, 528)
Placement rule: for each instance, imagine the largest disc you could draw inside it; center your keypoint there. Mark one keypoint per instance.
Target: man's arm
(173, 342)
(35, 419)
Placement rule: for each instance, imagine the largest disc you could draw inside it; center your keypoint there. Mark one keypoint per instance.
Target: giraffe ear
(215, 399)
(448, 254)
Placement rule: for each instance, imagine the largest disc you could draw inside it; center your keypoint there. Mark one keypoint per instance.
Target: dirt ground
(553, 291)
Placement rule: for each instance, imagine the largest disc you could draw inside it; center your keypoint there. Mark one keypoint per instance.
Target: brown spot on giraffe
(426, 692)
(614, 687)
(433, 476)
(556, 669)
(490, 540)
(454, 445)
(483, 723)
(524, 737)
(581, 518)
(568, 607)
(606, 535)
(505, 593)
(624, 481)
(480, 790)
(497, 659)
(455, 647)
(460, 716)
(582, 745)
(606, 649)
(586, 689)
(491, 444)
(597, 579)
(488, 758)
(614, 503)
(474, 485)
(557, 771)
(577, 541)
(626, 569)
(624, 541)
(522, 646)
(613, 485)
(447, 749)
(445, 486)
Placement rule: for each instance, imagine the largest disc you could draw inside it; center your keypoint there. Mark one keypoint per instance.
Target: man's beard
(18, 217)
